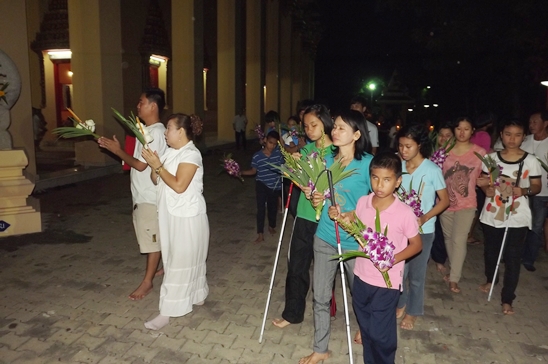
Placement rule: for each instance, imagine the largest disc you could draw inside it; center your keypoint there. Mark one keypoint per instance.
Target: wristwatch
(529, 192)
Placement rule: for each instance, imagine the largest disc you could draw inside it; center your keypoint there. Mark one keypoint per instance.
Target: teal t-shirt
(347, 193)
(431, 177)
(305, 210)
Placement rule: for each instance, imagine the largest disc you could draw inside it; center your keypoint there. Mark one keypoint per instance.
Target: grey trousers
(325, 268)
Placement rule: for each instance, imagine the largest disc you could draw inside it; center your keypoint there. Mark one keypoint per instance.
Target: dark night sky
(497, 48)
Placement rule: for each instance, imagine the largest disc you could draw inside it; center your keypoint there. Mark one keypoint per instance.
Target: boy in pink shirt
(374, 303)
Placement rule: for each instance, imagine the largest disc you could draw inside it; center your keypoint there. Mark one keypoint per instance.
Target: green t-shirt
(305, 210)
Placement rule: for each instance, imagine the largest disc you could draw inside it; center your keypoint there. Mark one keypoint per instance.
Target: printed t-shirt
(460, 174)
(266, 173)
(402, 225)
(427, 179)
(142, 188)
(347, 193)
(496, 209)
(305, 210)
(539, 148)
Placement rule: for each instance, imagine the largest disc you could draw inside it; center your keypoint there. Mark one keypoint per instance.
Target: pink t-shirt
(482, 139)
(460, 174)
(402, 225)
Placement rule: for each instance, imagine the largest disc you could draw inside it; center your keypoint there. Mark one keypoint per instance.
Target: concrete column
(286, 109)
(14, 42)
(272, 61)
(254, 64)
(96, 44)
(19, 213)
(296, 71)
(187, 56)
(226, 61)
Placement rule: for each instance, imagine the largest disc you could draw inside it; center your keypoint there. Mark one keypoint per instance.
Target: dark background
(477, 55)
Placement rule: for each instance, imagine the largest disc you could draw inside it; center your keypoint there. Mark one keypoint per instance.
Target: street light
(545, 83)
(371, 88)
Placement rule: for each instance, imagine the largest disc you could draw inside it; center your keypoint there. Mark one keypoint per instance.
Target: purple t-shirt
(482, 139)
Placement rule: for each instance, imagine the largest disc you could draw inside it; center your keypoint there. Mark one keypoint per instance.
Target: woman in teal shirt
(351, 140)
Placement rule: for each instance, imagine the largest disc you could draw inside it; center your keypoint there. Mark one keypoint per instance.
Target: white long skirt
(184, 242)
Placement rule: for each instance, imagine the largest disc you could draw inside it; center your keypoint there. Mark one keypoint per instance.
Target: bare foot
(441, 268)
(400, 312)
(141, 291)
(358, 337)
(507, 309)
(454, 287)
(159, 272)
(260, 238)
(281, 323)
(408, 322)
(315, 358)
(485, 287)
(446, 278)
(272, 230)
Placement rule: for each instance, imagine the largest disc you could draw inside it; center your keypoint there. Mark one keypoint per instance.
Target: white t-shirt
(373, 134)
(239, 123)
(191, 202)
(539, 148)
(142, 188)
(495, 210)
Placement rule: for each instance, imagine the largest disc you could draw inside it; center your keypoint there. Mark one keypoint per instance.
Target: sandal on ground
(507, 309)
(408, 322)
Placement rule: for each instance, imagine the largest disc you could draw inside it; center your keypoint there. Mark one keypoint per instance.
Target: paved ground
(63, 296)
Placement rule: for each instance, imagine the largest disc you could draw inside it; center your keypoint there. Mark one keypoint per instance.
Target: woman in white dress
(184, 227)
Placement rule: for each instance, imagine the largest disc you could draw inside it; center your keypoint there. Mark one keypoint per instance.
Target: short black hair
(511, 122)
(359, 99)
(419, 134)
(273, 134)
(156, 96)
(386, 160)
(357, 122)
(272, 116)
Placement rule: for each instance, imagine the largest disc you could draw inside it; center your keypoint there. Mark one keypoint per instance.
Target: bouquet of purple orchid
(412, 198)
(259, 131)
(231, 167)
(309, 171)
(440, 155)
(374, 245)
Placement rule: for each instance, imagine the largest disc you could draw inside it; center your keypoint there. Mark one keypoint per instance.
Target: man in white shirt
(360, 104)
(536, 143)
(239, 124)
(143, 191)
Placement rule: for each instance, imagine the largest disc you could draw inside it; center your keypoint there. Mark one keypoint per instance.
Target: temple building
(211, 57)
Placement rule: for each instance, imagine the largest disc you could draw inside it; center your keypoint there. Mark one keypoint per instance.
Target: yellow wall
(14, 41)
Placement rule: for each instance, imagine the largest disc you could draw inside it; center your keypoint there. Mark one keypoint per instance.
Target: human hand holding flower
(483, 181)
(317, 199)
(490, 191)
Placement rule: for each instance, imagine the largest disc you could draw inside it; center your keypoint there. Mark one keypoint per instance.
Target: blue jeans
(535, 236)
(414, 275)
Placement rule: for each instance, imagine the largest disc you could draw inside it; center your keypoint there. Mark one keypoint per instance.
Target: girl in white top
(507, 208)
(184, 227)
